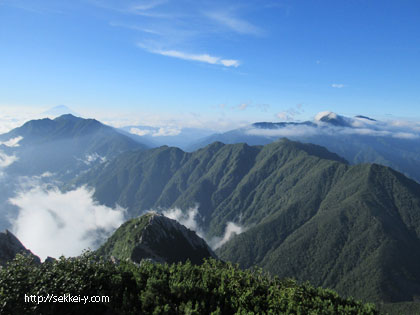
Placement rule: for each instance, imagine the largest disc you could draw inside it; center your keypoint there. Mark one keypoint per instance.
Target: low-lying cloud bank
(156, 132)
(54, 223)
(189, 219)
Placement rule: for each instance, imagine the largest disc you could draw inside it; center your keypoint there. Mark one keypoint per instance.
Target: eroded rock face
(157, 238)
(10, 246)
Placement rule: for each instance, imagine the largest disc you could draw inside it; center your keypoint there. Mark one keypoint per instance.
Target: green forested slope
(307, 213)
(362, 240)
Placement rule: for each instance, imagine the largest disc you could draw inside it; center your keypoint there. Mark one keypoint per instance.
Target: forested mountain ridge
(306, 213)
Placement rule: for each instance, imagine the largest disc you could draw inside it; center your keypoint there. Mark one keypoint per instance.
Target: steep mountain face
(153, 236)
(215, 178)
(10, 246)
(362, 239)
(64, 145)
(307, 214)
(359, 140)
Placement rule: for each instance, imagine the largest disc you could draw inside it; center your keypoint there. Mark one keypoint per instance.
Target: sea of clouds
(52, 223)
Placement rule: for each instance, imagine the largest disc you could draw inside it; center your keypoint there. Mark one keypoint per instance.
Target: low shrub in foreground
(214, 287)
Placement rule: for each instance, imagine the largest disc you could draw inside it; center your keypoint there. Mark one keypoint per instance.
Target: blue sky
(214, 64)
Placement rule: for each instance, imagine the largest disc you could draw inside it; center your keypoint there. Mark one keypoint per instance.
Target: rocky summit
(158, 238)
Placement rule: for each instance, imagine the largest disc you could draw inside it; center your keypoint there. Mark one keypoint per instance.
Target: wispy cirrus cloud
(128, 6)
(146, 5)
(233, 23)
(206, 58)
(338, 85)
(173, 28)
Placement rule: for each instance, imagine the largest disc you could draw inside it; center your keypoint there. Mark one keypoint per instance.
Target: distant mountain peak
(325, 115)
(59, 111)
(332, 118)
(365, 117)
(67, 117)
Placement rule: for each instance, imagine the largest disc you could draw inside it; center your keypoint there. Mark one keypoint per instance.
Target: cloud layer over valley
(189, 219)
(55, 223)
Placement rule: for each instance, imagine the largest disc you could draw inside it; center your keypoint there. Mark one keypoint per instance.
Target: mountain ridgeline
(158, 238)
(64, 145)
(306, 212)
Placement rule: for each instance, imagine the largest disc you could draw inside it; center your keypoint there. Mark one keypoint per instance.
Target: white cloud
(337, 85)
(189, 220)
(230, 230)
(55, 223)
(167, 131)
(206, 58)
(230, 62)
(330, 114)
(47, 174)
(7, 160)
(13, 142)
(94, 157)
(140, 132)
(234, 23)
(157, 132)
(90, 158)
(357, 127)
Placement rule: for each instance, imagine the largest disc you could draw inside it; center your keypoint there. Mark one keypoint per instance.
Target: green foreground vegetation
(214, 287)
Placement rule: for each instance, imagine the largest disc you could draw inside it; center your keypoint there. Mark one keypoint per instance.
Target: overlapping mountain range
(300, 210)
